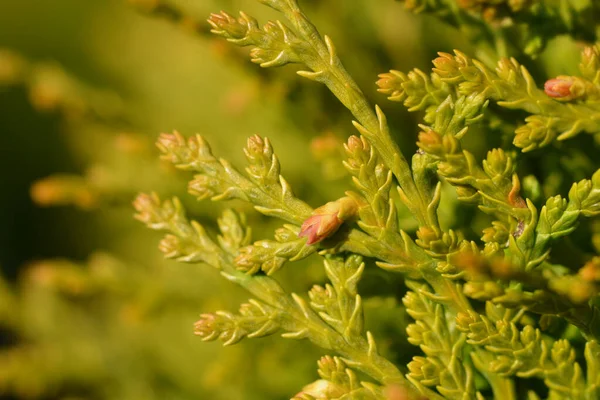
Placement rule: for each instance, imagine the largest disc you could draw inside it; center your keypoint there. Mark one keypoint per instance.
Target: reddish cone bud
(559, 88)
(326, 220)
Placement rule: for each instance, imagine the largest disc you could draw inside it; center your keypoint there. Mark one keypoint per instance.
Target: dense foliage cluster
(485, 311)
(489, 231)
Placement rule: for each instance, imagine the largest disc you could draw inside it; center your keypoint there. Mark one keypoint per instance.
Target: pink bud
(559, 88)
(326, 220)
(319, 227)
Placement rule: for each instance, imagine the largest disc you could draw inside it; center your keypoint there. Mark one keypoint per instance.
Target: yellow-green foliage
(465, 267)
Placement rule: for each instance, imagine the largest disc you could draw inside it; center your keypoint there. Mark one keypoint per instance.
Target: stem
(341, 84)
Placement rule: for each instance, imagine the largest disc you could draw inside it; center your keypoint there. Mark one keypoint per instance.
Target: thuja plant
(504, 304)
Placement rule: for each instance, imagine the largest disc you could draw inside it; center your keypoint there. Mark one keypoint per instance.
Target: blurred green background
(88, 307)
